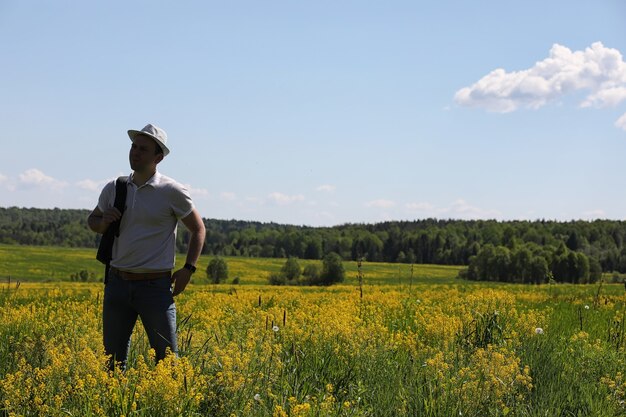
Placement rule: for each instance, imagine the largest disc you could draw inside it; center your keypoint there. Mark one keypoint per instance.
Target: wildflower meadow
(425, 344)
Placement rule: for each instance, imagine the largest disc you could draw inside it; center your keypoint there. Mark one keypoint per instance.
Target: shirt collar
(154, 180)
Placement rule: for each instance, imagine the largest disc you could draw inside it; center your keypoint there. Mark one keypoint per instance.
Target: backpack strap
(105, 250)
(121, 188)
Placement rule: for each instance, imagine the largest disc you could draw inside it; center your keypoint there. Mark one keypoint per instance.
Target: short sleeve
(182, 205)
(107, 196)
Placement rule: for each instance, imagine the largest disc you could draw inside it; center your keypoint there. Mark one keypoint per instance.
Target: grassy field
(438, 346)
(46, 264)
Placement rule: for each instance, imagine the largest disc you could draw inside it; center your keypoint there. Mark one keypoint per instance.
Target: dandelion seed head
(586, 307)
(257, 398)
(275, 328)
(539, 330)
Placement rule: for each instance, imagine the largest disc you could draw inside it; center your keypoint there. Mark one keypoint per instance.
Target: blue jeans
(124, 301)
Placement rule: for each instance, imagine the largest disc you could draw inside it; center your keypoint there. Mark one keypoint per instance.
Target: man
(140, 276)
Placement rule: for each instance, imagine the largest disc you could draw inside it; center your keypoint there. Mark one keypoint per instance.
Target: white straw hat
(155, 133)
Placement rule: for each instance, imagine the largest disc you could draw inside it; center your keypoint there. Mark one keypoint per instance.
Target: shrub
(289, 273)
(311, 274)
(217, 270)
(277, 279)
(332, 269)
(291, 269)
(83, 276)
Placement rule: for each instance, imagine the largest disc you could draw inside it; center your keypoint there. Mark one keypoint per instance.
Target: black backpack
(105, 250)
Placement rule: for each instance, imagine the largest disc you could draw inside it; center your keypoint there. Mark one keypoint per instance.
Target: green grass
(44, 264)
(373, 351)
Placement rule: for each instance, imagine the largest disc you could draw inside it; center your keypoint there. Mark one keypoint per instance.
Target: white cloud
(326, 187)
(459, 209)
(283, 199)
(380, 203)
(227, 196)
(35, 178)
(595, 214)
(621, 122)
(324, 215)
(419, 206)
(91, 185)
(599, 70)
(6, 183)
(202, 193)
(462, 209)
(609, 97)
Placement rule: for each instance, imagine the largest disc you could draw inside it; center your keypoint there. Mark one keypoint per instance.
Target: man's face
(142, 155)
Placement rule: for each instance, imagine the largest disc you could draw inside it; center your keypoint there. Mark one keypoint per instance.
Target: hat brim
(132, 134)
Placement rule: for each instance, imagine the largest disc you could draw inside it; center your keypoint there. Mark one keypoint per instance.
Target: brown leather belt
(140, 276)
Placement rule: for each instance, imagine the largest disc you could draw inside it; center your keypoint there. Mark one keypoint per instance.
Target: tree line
(291, 273)
(530, 263)
(513, 246)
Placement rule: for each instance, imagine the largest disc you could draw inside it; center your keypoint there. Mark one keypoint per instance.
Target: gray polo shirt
(147, 241)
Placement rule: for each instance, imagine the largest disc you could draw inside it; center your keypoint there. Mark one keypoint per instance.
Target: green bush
(82, 276)
(332, 269)
(311, 274)
(290, 274)
(277, 279)
(217, 270)
(291, 269)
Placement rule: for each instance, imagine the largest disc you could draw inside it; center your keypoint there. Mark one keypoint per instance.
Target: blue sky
(325, 112)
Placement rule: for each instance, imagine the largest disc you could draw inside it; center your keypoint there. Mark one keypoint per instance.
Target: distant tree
(521, 265)
(452, 242)
(367, 245)
(313, 249)
(573, 241)
(277, 279)
(582, 268)
(289, 273)
(560, 268)
(498, 263)
(410, 257)
(570, 266)
(332, 269)
(482, 266)
(83, 275)
(595, 270)
(311, 274)
(291, 269)
(402, 258)
(267, 251)
(502, 263)
(217, 270)
(254, 251)
(620, 260)
(539, 270)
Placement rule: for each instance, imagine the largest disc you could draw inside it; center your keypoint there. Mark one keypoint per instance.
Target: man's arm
(99, 222)
(193, 222)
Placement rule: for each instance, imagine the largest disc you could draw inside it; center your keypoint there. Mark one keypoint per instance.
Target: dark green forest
(513, 251)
